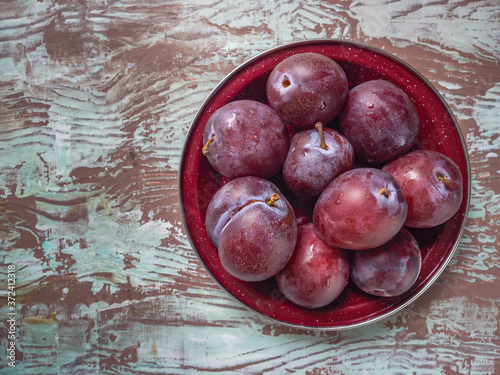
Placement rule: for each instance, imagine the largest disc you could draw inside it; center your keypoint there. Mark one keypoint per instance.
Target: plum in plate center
(315, 158)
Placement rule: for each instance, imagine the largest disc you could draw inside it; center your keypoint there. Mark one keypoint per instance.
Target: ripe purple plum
(245, 138)
(361, 209)
(307, 88)
(379, 120)
(316, 274)
(253, 226)
(315, 158)
(388, 270)
(432, 184)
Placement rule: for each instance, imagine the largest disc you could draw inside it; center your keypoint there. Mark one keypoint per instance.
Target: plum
(316, 274)
(432, 184)
(379, 120)
(253, 226)
(360, 209)
(245, 138)
(315, 158)
(388, 270)
(307, 88)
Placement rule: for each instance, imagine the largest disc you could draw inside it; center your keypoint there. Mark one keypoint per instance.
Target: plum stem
(444, 180)
(204, 150)
(383, 191)
(323, 144)
(273, 199)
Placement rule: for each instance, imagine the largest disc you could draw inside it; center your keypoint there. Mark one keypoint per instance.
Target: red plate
(439, 131)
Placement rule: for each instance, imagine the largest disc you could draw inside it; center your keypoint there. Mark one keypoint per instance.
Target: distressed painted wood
(96, 99)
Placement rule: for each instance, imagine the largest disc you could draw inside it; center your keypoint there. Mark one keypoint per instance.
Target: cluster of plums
(355, 189)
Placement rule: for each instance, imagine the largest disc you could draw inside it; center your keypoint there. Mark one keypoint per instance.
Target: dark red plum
(253, 226)
(388, 270)
(307, 88)
(245, 138)
(379, 120)
(316, 274)
(360, 209)
(432, 184)
(315, 158)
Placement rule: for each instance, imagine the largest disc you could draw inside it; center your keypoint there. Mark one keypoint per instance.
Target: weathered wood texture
(96, 98)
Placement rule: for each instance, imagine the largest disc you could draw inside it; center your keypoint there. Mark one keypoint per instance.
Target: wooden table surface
(96, 99)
